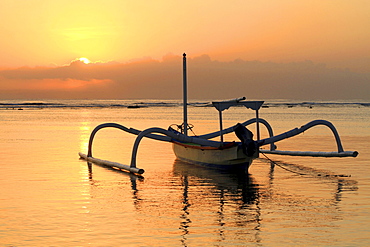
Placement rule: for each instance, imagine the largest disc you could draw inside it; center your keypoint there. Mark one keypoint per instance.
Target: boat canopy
(224, 105)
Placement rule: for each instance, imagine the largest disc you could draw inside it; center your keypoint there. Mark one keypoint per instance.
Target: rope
(180, 127)
(282, 166)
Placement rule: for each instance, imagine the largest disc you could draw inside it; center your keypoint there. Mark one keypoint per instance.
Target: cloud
(207, 79)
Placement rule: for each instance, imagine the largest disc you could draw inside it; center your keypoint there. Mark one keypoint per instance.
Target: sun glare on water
(84, 60)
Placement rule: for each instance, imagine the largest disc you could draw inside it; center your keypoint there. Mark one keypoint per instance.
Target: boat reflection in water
(232, 200)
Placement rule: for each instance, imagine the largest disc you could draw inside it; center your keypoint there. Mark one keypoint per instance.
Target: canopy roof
(224, 105)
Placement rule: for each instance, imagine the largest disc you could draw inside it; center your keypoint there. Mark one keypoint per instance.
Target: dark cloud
(207, 79)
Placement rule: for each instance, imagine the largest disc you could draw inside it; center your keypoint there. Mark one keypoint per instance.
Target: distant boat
(133, 106)
(200, 150)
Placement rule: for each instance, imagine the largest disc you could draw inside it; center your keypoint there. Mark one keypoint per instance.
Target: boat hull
(229, 158)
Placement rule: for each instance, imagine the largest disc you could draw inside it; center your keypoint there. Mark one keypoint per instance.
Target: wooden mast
(185, 100)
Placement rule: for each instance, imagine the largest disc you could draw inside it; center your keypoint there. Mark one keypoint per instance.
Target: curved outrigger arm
(272, 139)
(133, 168)
(121, 127)
(296, 131)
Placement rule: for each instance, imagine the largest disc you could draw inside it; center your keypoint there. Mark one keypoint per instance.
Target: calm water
(51, 198)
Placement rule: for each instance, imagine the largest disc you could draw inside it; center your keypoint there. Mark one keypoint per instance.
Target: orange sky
(43, 33)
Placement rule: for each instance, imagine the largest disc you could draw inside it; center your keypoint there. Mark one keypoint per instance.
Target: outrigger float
(200, 150)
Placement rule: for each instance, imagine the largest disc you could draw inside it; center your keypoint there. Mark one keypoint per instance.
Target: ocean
(49, 197)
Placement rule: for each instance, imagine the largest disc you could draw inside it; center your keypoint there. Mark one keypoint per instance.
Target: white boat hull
(227, 158)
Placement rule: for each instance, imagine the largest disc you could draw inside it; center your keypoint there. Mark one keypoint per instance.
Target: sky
(307, 49)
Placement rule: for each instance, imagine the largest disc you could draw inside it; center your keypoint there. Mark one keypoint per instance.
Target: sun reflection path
(85, 131)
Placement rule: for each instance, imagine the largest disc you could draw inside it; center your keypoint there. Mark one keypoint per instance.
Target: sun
(84, 60)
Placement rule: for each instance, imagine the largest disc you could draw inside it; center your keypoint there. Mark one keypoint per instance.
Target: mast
(185, 100)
